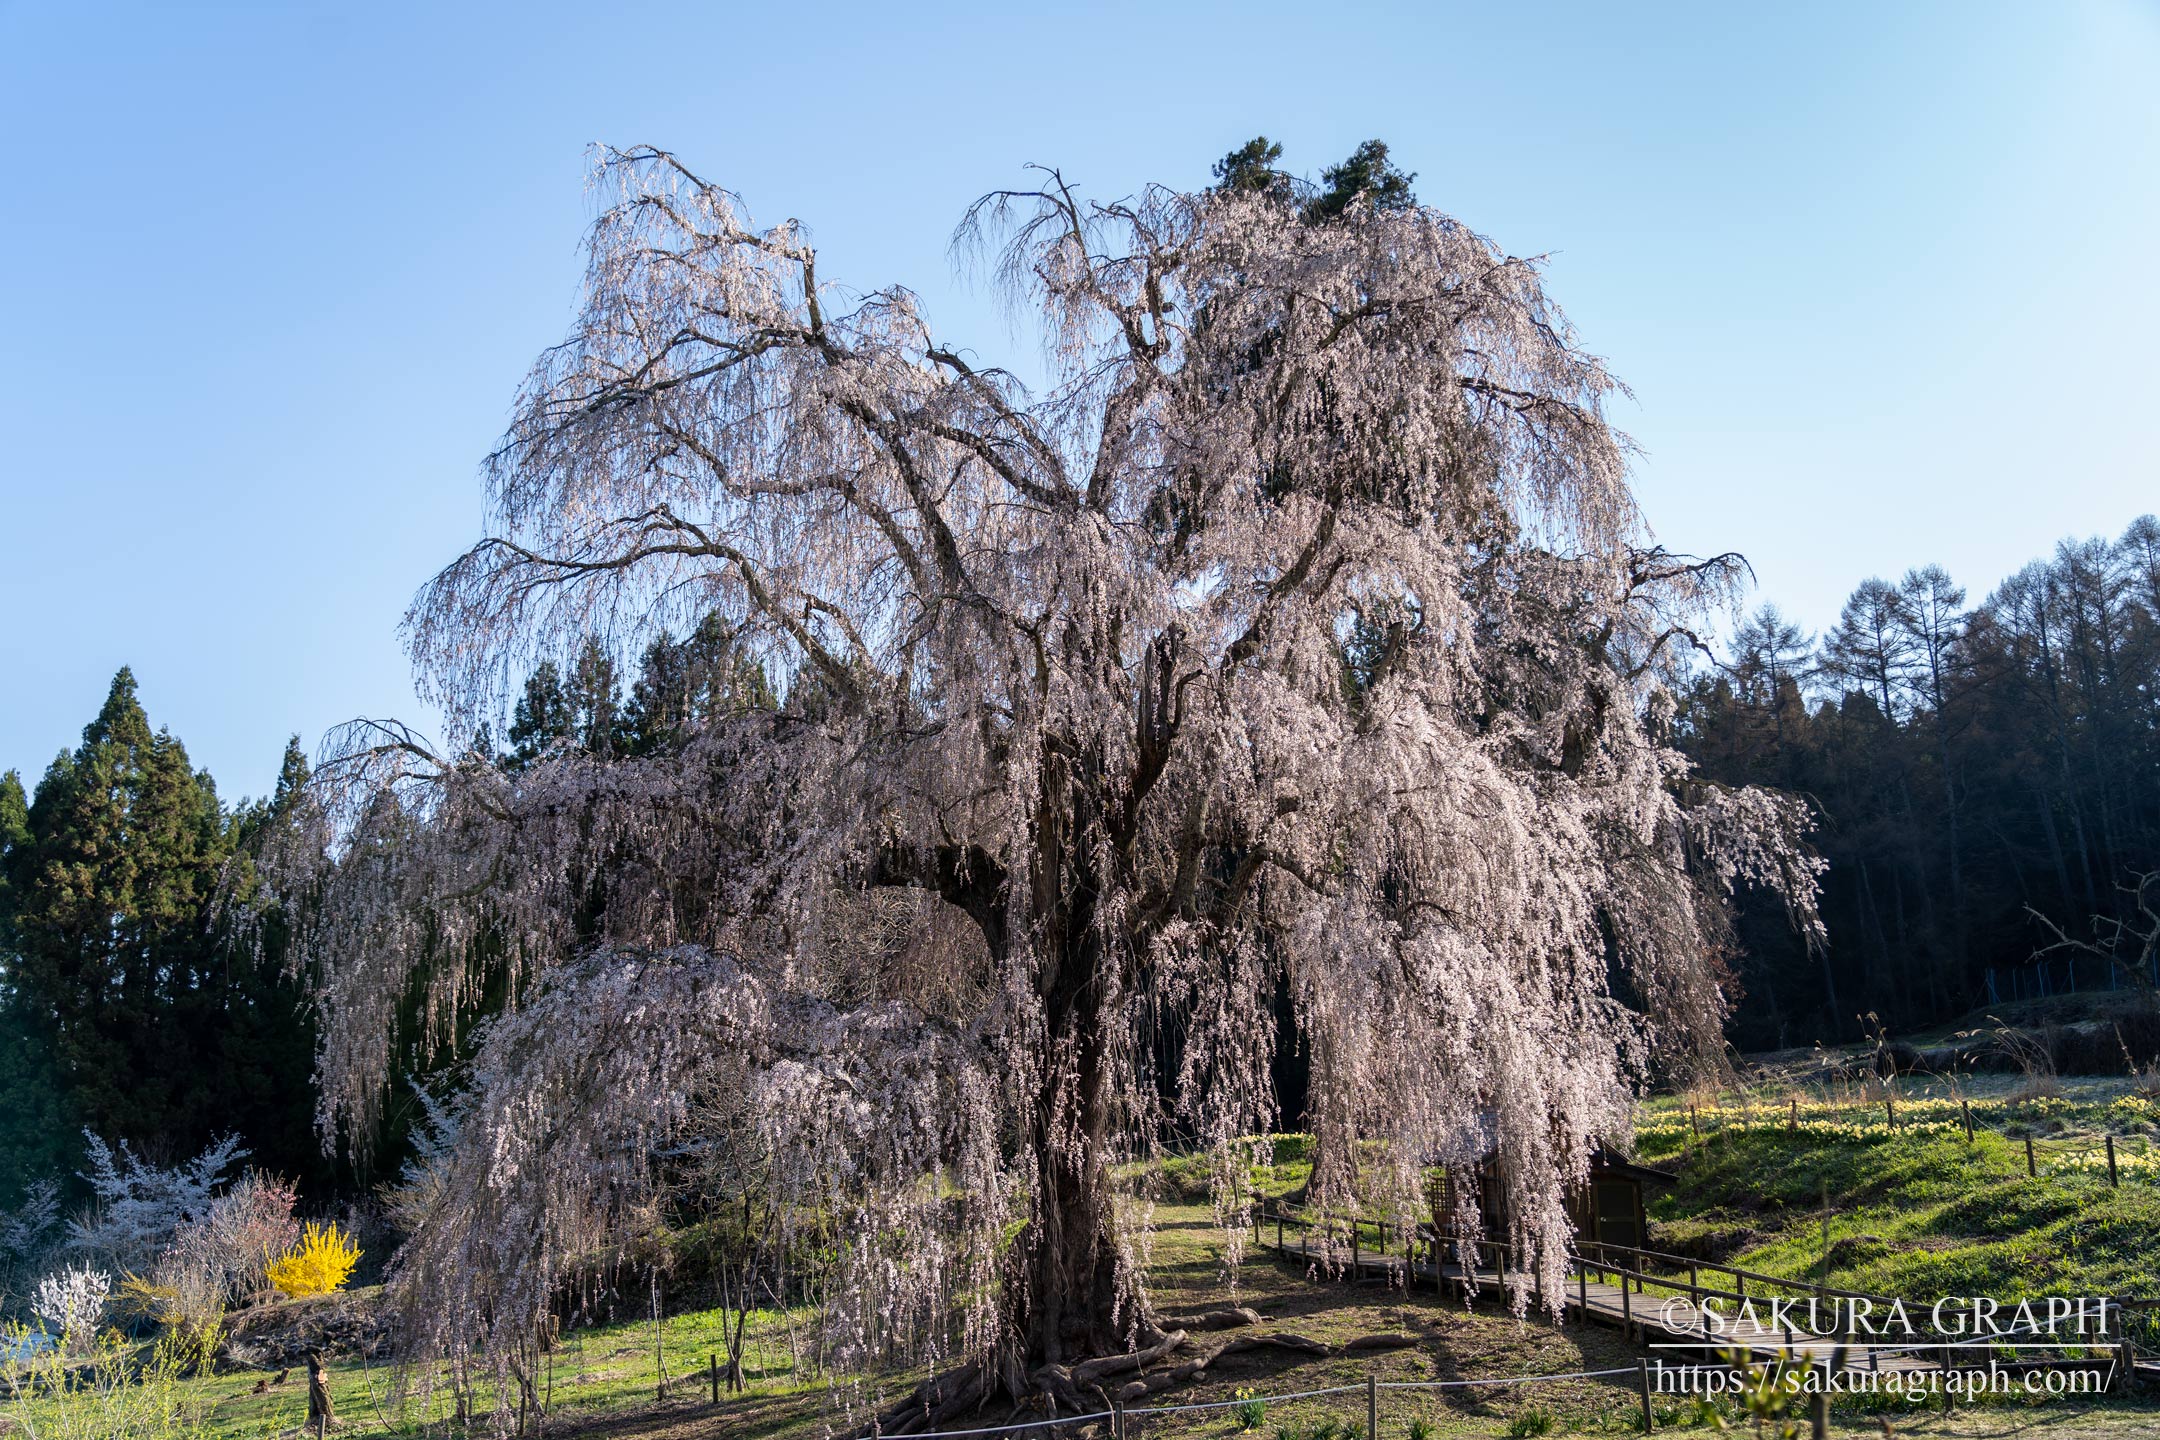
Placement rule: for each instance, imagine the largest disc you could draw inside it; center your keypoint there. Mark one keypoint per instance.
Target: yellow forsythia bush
(317, 1265)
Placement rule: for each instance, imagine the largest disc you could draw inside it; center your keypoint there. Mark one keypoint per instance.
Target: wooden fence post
(1966, 1105)
(1793, 1124)
(2112, 1180)
(1642, 1371)
(2032, 1169)
(716, 1379)
(321, 1414)
(1372, 1405)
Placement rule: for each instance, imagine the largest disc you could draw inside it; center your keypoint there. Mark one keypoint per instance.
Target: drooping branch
(1294, 639)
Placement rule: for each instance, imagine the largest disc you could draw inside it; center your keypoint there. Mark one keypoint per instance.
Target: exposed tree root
(933, 1402)
(1386, 1340)
(1161, 1380)
(1281, 1339)
(1223, 1317)
(1090, 1371)
(1056, 1383)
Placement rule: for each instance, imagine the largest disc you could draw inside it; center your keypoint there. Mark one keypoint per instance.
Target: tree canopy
(1053, 773)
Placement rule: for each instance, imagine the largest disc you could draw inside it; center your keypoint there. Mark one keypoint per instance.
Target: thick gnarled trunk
(1077, 1298)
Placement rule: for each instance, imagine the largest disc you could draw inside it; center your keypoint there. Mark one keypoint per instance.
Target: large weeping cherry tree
(1296, 636)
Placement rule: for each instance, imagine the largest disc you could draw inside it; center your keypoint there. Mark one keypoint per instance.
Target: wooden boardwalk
(1665, 1311)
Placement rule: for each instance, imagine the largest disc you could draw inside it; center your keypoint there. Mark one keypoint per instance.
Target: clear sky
(1881, 275)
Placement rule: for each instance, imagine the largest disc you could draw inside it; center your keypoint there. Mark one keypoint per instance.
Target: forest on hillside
(1985, 780)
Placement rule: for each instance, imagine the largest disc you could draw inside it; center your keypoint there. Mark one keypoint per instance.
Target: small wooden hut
(1609, 1208)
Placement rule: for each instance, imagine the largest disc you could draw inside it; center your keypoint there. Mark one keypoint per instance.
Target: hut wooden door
(1617, 1212)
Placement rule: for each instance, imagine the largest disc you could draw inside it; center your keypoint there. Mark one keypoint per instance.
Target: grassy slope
(1916, 1211)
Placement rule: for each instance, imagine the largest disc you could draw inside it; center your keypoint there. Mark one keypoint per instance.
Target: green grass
(1917, 1211)
(602, 1370)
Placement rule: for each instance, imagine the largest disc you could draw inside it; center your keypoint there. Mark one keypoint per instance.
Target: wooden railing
(1637, 1272)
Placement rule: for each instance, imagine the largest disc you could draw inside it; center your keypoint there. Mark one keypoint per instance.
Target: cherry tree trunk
(1080, 1299)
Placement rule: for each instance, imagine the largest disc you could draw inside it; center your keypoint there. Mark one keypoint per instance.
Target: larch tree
(1057, 759)
(1869, 649)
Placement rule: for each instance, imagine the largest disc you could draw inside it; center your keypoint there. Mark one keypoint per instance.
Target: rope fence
(1138, 1414)
(1122, 1419)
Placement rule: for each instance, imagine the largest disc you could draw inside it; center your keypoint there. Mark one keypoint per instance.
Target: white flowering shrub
(71, 1302)
(27, 1234)
(139, 1209)
(31, 1224)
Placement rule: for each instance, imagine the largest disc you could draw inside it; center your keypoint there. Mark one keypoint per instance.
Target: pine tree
(113, 973)
(542, 718)
(595, 701)
(685, 683)
(33, 1130)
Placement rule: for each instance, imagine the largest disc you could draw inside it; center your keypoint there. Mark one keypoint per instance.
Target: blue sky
(1881, 276)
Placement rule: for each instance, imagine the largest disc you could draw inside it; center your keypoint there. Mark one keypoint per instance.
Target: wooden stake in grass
(659, 1356)
(1825, 1282)
(1372, 1405)
(1966, 1106)
(2032, 1169)
(716, 1379)
(1794, 1123)
(1642, 1371)
(321, 1415)
(2112, 1178)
